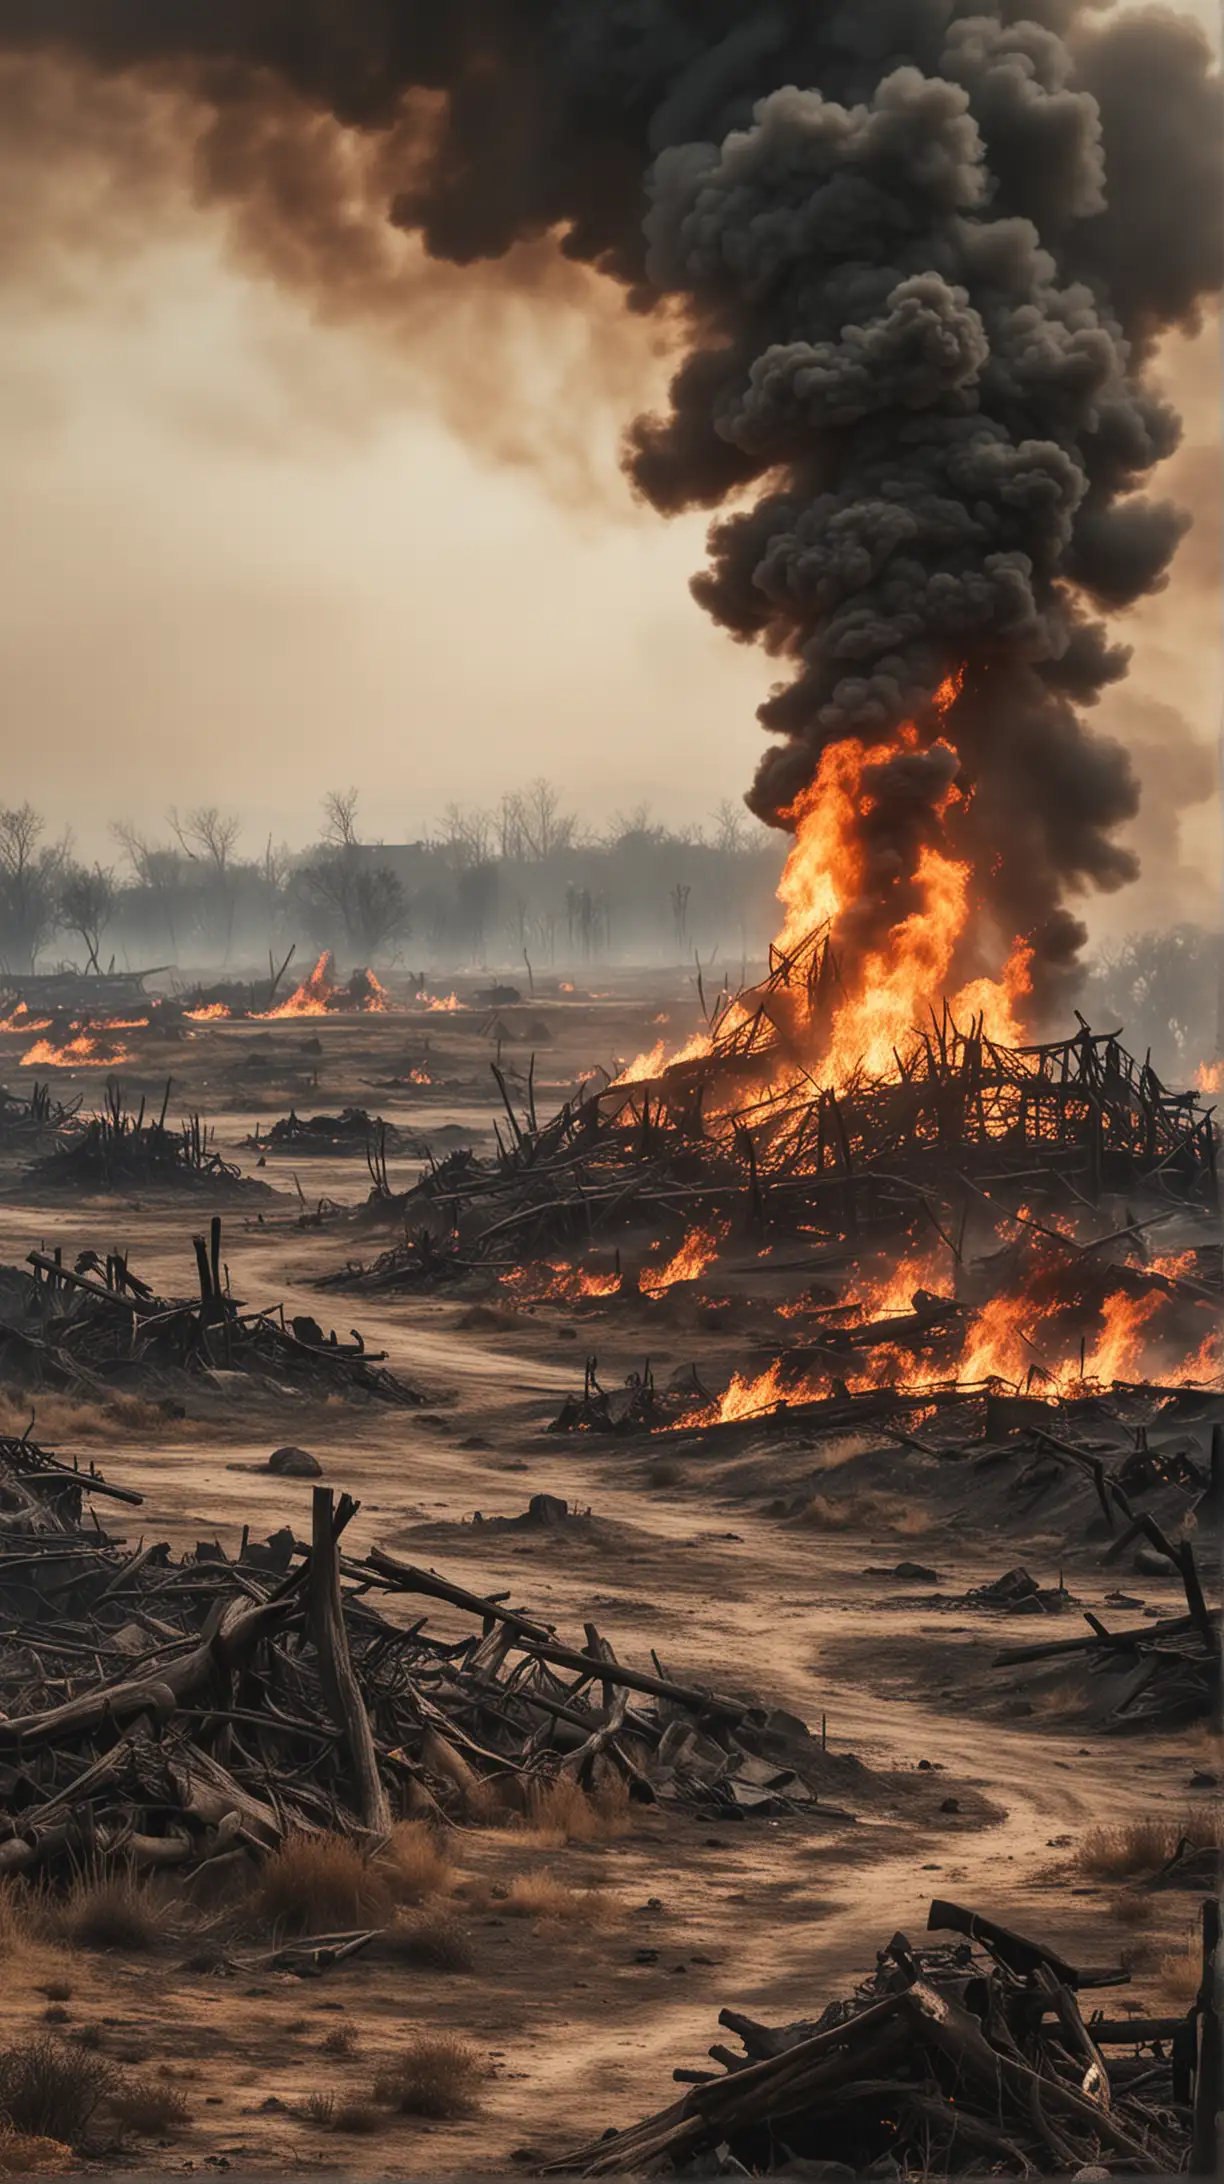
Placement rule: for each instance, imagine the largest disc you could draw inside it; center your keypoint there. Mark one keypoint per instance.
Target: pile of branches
(87, 1329)
(169, 1714)
(352, 1130)
(744, 1133)
(121, 1150)
(25, 1122)
(970, 2057)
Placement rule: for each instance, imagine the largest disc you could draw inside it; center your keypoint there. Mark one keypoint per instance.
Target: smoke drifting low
(919, 252)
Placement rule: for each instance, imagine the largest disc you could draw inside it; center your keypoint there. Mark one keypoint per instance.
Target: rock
(645, 1956)
(547, 1509)
(1203, 1780)
(950, 1804)
(294, 1463)
(1149, 1562)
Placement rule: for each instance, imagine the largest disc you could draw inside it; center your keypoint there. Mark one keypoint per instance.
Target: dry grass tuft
(414, 1865)
(320, 2110)
(561, 1812)
(108, 1911)
(50, 2090)
(432, 1941)
(357, 2117)
(437, 2075)
(20, 1926)
(320, 1884)
(1133, 1849)
(150, 2109)
(858, 1513)
(1180, 1969)
(341, 2040)
(555, 1902)
(23, 2155)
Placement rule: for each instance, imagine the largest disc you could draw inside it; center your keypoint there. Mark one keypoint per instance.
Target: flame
(21, 1020)
(894, 984)
(119, 1023)
(82, 1052)
(449, 1004)
(565, 986)
(419, 1076)
(1209, 1076)
(311, 998)
(698, 1251)
(211, 1012)
(557, 1281)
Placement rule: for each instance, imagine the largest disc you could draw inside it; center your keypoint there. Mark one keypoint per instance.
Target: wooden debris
(971, 2056)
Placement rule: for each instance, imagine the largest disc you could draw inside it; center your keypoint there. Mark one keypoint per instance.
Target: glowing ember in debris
(419, 1076)
(118, 1023)
(212, 1012)
(447, 1004)
(81, 1052)
(557, 1282)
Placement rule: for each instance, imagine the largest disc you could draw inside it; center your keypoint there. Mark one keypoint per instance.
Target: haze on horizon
(251, 557)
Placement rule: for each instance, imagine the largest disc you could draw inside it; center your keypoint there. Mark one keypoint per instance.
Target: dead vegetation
(1135, 1849)
(50, 2090)
(429, 1941)
(437, 2076)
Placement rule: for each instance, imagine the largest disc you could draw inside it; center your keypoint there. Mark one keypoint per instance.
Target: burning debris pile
(321, 994)
(117, 1149)
(971, 2056)
(158, 1714)
(89, 1329)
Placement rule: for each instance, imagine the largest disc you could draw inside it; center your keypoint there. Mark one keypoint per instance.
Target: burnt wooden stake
(331, 1639)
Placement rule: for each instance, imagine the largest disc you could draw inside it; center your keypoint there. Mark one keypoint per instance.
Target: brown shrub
(543, 1896)
(561, 1811)
(357, 2117)
(341, 2040)
(108, 1911)
(320, 2110)
(23, 2155)
(1132, 1849)
(151, 2108)
(320, 1884)
(51, 2090)
(19, 1922)
(437, 2075)
(433, 1941)
(413, 1863)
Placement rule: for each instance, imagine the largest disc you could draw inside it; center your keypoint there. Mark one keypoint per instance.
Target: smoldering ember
(612, 1431)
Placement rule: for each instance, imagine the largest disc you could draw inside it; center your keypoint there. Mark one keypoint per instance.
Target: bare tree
(158, 869)
(30, 873)
(340, 818)
(468, 834)
(87, 899)
(207, 836)
(340, 887)
(544, 827)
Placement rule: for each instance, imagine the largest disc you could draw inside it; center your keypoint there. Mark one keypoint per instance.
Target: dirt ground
(706, 1557)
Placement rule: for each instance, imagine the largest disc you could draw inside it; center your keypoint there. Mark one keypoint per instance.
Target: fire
(890, 988)
(447, 1004)
(698, 1251)
(419, 1076)
(119, 1023)
(558, 1282)
(212, 1012)
(1209, 1076)
(82, 1052)
(21, 1020)
(311, 998)
(319, 995)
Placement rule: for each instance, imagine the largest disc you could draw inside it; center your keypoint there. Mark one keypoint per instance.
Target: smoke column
(921, 252)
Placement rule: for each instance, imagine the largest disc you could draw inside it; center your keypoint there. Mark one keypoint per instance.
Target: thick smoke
(922, 251)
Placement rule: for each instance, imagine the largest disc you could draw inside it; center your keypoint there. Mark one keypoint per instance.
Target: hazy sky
(248, 557)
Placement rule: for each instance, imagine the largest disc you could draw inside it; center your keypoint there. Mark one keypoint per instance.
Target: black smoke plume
(922, 251)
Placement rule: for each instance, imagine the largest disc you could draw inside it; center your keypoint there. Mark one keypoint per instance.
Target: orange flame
(21, 1020)
(1209, 1076)
(447, 1005)
(311, 998)
(211, 1012)
(82, 1052)
(892, 986)
(698, 1251)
